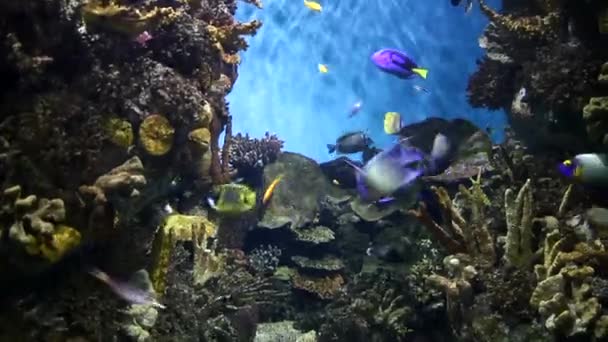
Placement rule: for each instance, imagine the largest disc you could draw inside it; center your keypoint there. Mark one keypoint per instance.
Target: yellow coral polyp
(156, 135)
(119, 132)
(63, 240)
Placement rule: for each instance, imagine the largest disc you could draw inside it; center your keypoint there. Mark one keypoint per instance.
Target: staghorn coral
(249, 155)
(460, 235)
(518, 212)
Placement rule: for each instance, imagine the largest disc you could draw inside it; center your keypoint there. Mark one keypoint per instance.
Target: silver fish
(138, 290)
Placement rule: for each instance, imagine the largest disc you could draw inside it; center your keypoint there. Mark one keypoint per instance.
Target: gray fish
(351, 143)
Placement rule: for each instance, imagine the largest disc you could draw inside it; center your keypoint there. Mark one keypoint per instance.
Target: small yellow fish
(392, 123)
(335, 181)
(313, 6)
(270, 189)
(323, 68)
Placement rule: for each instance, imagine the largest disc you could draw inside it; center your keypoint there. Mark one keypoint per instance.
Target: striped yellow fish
(313, 6)
(392, 123)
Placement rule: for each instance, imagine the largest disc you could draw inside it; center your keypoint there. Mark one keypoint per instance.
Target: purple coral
(249, 155)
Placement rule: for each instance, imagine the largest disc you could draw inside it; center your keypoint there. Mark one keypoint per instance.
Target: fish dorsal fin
(141, 280)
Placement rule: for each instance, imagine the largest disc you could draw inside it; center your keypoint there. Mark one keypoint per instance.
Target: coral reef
(541, 67)
(249, 156)
(35, 227)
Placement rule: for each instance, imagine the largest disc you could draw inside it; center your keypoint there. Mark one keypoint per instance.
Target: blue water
(280, 90)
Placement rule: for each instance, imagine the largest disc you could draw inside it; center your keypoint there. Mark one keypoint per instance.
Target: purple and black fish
(397, 168)
(397, 63)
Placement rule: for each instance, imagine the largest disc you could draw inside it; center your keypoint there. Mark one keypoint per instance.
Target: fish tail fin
(441, 147)
(421, 71)
(331, 148)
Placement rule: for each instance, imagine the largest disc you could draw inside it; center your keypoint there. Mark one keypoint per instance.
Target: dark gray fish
(351, 143)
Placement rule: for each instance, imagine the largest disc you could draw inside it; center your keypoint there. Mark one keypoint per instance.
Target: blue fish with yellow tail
(397, 63)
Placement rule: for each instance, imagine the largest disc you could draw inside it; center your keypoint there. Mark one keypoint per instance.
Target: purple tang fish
(397, 63)
(396, 168)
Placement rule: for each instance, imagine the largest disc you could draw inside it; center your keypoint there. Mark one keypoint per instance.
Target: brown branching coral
(248, 155)
(457, 234)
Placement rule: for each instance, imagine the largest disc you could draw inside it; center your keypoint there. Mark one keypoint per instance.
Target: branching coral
(458, 290)
(457, 234)
(249, 156)
(518, 212)
(563, 294)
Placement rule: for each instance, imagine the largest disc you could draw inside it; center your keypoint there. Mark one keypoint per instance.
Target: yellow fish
(392, 123)
(313, 6)
(322, 68)
(270, 189)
